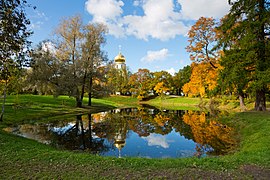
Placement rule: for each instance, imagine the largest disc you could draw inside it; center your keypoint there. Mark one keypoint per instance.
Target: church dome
(120, 58)
(119, 144)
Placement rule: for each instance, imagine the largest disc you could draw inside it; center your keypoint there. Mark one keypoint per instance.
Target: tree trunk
(260, 104)
(242, 102)
(83, 86)
(78, 102)
(4, 102)
(78, 99)
(90, 91)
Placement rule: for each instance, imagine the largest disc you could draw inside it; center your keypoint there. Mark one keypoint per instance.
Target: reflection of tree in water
(210, 135)
(102, 132)
(80, 136)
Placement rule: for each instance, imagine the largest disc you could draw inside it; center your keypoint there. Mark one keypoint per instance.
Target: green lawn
(175, 102)
(27, 159)
(21, 108)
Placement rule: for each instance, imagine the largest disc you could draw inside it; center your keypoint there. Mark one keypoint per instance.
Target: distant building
(120, 64)
(120, 61)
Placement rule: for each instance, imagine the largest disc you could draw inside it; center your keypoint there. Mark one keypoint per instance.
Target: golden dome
(119, 144)
(119, 58)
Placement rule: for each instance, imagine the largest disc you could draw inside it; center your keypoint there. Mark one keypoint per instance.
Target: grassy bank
(27, 159)
(22, 108)
(175, 102)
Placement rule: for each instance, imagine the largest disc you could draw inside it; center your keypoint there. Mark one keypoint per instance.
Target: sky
(152, 34)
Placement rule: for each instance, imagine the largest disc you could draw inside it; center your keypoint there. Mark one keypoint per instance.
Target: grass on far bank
(27, 159)
(175, 102)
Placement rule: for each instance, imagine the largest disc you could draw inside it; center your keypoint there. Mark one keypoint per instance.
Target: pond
(136, 132)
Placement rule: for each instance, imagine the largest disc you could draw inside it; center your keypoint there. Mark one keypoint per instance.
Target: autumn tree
(140, 83)
(246, 31)
(203, 80)
(118, 79)
(165, 78)
(13, 41)
(160, 88)
(202, 39)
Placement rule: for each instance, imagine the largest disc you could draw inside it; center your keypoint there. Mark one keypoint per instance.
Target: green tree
(181, 78)
(46, 73)
(118, 79)
(13, 41)
(246, 31)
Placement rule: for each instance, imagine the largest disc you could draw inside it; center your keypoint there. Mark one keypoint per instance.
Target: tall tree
(74, 62)
(246, 30)
(69, 36)
(202, 39)
(13, 40)
(92, 55)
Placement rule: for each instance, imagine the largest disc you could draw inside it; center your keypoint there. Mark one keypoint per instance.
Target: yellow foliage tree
(160, 88)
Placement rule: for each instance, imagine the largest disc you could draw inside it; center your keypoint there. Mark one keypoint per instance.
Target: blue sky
(152, 33)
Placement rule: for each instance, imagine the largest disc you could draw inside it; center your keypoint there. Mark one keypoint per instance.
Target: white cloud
(104, 9)
(107, 12)
(159, 21)
(208, 8)
(155, 55)
(163, 19)
(157, 140)
(171, 71)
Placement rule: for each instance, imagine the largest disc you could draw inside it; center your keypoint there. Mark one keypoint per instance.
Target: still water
(136, 132)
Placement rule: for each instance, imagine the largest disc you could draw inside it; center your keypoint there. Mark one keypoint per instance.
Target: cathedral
(120, 61)
(120, 65)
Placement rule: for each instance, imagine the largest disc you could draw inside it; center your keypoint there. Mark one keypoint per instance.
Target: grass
(27, 159)
(122, 101)
(175, 102)
(24, 108)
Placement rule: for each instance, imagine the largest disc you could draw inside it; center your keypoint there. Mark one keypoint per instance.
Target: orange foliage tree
(202, 39)
(202, 80)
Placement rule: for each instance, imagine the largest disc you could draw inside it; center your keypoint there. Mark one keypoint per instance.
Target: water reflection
(143, 132)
